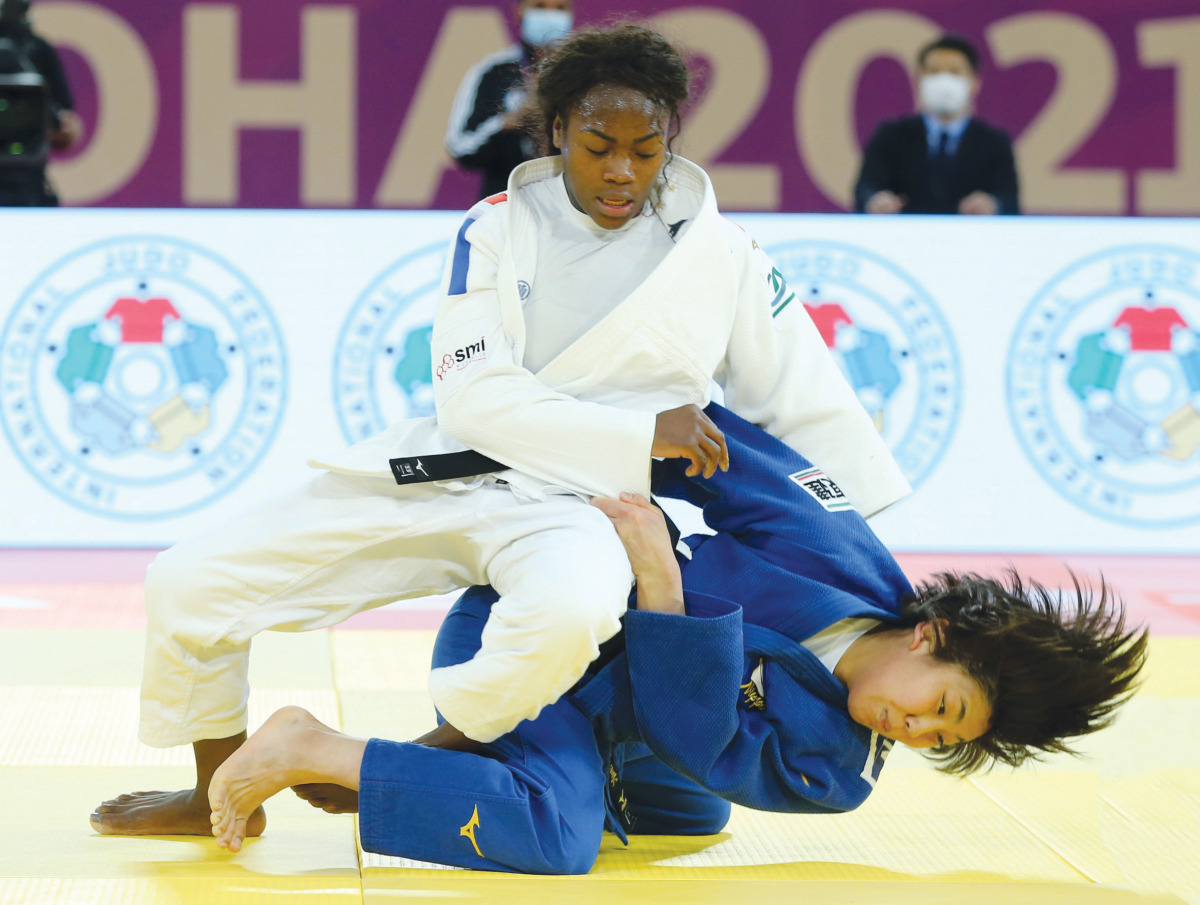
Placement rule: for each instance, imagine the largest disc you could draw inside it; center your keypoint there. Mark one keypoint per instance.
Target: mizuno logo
(421, 468)
(469, 830)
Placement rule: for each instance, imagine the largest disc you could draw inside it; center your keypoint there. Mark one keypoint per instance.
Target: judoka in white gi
(586, 314)
(773, 666)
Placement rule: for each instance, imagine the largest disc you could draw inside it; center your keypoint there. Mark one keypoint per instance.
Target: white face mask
(545, 26)
(944, 93)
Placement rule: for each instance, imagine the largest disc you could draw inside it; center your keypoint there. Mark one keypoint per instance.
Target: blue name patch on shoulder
(462, 260)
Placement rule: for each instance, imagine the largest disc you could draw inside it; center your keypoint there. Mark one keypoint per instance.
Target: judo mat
(1120, 825)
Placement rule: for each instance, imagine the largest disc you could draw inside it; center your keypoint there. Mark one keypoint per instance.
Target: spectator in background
(485, 131)
(23, 54)
(943, 159)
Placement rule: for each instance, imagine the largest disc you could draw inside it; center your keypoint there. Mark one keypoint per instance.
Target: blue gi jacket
(724, 697)
(796, 558)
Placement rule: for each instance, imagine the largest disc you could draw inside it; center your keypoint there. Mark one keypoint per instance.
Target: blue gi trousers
(533, 801)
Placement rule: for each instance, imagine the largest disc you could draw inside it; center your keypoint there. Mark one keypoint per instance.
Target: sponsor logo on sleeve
(461, 358)
(821, 488)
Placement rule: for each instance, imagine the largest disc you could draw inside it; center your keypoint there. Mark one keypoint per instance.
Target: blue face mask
(545, 26)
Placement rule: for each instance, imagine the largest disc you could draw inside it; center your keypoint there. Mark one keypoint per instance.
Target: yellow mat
(1121, 826)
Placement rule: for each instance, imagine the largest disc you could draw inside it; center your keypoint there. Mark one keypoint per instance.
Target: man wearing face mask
(36, 110)
(943, 159)
(485, 131)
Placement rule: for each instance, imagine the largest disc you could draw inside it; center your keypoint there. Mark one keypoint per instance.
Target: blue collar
(934, 128)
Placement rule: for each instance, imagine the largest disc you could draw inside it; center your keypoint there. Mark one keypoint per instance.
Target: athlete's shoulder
(491, 208)
(735, 234)
(745, 251)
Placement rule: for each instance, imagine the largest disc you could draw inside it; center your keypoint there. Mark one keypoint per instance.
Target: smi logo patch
(460, 358)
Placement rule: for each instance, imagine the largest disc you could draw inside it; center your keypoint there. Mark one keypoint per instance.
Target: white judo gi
(583, 425)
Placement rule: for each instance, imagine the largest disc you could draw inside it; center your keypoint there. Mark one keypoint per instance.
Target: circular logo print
(142, 377)
(383, 369)
(1104, 384)
(888, 337)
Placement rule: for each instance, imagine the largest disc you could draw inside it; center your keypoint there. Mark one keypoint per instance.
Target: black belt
(467, 464)
(443, 467)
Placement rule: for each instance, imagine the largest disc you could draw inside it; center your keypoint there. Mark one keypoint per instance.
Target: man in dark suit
(943, 159)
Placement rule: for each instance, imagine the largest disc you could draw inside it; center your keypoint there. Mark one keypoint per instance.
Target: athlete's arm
(643, 530)
(779, 374)
(488, 401)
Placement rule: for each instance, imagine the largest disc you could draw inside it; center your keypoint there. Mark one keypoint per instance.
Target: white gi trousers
(343, 544)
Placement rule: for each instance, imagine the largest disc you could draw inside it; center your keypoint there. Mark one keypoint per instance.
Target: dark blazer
(897, 159)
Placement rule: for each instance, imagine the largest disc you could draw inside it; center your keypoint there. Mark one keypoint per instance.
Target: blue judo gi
(682, 714)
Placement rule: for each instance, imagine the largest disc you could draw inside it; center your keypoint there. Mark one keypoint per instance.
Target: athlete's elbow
(458, 421)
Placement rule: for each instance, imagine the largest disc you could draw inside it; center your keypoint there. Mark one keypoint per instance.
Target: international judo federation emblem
(887, 336)
(383, 367)
(1104, 384)
(469, 830)
(143, 377)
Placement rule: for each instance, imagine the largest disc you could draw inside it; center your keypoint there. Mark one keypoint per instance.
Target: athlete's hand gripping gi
(685, 710)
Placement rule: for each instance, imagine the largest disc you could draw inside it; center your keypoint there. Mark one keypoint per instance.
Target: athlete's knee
(579, 605)
(709, 817)
(180, 589)
(571, 849)
(694, 815)
(584, 616)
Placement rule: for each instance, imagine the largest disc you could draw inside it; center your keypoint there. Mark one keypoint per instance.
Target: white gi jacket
(584, 423)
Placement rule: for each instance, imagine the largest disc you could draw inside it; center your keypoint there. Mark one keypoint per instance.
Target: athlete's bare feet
(329, 797)
(291, 748)
(183, 813)
(335, 799)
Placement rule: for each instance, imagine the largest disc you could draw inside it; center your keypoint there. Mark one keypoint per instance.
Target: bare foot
(271, 760)
(329, 797)
(184, 813)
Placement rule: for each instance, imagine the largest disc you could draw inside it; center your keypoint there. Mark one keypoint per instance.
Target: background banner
(343, 103)
(1037, 378)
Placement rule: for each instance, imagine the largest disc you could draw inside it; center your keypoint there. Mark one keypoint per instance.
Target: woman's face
(613, 146)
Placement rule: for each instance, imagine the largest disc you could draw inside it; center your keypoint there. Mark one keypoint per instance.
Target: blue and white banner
(1038, 379)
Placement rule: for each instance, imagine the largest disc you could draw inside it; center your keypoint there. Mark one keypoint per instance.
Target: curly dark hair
(626, 56)
(1052, 668)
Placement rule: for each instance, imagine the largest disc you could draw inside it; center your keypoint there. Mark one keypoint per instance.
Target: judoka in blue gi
(762, 688)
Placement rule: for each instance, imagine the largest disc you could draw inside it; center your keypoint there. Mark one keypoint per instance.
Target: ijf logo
(143, 377)
(888, 337)
(1104, 384)
(383, 367)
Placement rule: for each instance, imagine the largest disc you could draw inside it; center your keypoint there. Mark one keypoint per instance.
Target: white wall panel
(1037, 378)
